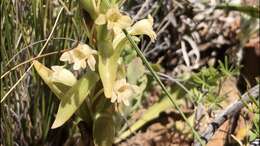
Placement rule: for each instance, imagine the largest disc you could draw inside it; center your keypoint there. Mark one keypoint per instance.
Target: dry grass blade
(29, 68)
(35, 43)
(30, 60)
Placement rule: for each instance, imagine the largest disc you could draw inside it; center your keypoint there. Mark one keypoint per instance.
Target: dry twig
(230, 111)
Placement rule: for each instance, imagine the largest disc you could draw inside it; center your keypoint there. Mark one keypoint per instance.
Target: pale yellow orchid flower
(115, 20)
(79, 56)
(122, 91)
(142, 27)
(62, 75)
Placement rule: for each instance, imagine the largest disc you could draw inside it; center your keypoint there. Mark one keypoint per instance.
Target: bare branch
(230, 111)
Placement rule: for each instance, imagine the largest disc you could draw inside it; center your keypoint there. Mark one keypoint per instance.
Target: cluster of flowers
(84, 56)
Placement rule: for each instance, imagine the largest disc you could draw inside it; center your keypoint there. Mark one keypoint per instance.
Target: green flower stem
(250, 10)
(146, 63)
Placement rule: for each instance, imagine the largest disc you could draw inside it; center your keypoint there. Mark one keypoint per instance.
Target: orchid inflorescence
(99, 59)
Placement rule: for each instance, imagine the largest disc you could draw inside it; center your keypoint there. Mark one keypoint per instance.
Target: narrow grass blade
(250, 10)
(146, 63)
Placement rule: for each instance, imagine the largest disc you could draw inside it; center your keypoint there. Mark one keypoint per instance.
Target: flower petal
(101, 19)
(83, 64)
(127, 93)
(114, 96)
(119, 84)
(91, 62)
(85, 49)
(124, 21)
(94, 52)
(126, 102)
(76, 65)
(113, 99)
(144, 26)
(62, 75)
(67, 56)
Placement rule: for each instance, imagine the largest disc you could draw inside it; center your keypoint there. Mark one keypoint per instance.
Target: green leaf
(135, 70)
(108, 57)
(107, 70)
(57, 88)
(74, 97)
(103, 129)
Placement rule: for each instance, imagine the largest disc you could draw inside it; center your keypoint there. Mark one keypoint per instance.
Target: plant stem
(146, 63)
